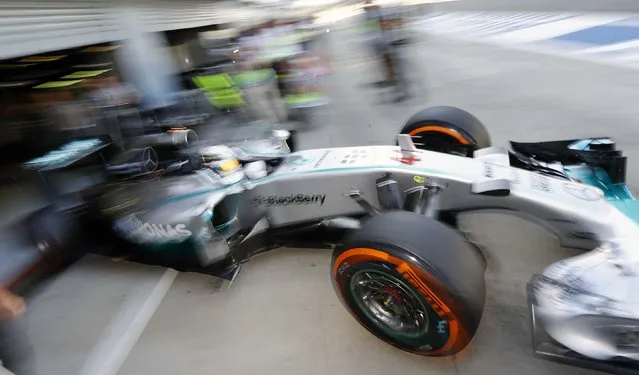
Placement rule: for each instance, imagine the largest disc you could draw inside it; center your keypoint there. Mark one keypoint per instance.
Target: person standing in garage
(16, 352)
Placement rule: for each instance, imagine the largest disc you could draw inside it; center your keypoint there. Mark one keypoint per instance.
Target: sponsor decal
(342, 268)
(321, 159)
(425, 291)
(419, 179)
(149, 232)
(541, 183)
(516, 177)
(289, 200)
(165, 230)
(489, 171)
(408, 160)
(442, 327)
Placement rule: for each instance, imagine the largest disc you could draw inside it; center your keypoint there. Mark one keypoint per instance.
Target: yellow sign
(99, 49)
(85, 74)
(57, 84)
(37, 59)
(419, 179)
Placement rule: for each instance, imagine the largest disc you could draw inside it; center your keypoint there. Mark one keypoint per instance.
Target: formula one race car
(389, 213)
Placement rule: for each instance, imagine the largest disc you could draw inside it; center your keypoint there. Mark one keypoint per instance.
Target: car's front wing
(544, 347)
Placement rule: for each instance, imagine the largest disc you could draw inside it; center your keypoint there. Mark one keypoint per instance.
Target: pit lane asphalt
(281, 315)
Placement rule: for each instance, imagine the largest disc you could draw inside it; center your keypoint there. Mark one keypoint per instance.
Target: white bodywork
(578, 214)
(590, 295)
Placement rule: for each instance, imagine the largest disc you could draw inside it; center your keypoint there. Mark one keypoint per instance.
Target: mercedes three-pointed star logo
(588, 193)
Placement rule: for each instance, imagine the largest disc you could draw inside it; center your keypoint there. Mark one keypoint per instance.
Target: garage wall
(31, 27)
(28, 27)
(161, 15)
(144, 62)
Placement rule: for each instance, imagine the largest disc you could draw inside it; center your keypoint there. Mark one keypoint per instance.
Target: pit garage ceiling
(31, 27)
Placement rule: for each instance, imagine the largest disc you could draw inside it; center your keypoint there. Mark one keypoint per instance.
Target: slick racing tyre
(412, 282)
(447, 129)
(56, 235)
(47, 242)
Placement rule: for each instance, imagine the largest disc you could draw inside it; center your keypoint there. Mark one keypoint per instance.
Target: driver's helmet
(221, 159)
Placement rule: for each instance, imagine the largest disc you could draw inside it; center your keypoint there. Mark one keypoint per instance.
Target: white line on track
(553, 50)
(558, 28)
(535, 38)
(612, 47)
(516, 27)
(119, 338)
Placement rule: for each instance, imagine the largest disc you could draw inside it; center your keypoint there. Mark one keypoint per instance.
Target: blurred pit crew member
(393, 55)
(265, 98)
(379, 37)
(372, 24)
(16, 352)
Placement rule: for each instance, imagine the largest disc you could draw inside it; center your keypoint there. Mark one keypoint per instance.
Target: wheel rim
(439, 142)
(390, 304)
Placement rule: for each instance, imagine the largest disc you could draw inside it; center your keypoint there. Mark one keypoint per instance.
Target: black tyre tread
(441, 250)
(453, 118)
(52, 225)
(56, 225)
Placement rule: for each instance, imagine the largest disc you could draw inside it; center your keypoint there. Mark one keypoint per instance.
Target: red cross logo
(408, 160)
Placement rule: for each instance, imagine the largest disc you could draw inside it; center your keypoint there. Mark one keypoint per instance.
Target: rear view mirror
(281, 135)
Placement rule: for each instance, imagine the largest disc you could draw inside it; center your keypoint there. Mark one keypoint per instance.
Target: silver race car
(389, 213)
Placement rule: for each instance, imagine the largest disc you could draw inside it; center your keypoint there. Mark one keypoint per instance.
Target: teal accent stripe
(629, 208)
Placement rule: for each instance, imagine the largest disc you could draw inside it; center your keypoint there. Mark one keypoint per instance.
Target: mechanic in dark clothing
(16, 352)
(381, 25)
(394, 53)
(373, 14)
(379, 33)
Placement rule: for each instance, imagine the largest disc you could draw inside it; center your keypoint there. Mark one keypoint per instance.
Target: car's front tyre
(412, 282)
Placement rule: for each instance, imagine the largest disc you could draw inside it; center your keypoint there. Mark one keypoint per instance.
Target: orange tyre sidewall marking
(440, 129)
(420, 280)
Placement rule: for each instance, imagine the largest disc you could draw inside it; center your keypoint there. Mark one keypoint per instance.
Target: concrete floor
(281, 315)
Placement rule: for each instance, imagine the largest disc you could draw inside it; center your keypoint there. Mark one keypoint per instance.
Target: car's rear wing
(601, 152)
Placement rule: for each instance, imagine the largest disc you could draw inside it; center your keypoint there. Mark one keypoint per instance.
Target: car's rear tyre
(412, 282)
(447, 129)
(56, 235)
(51, 239)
